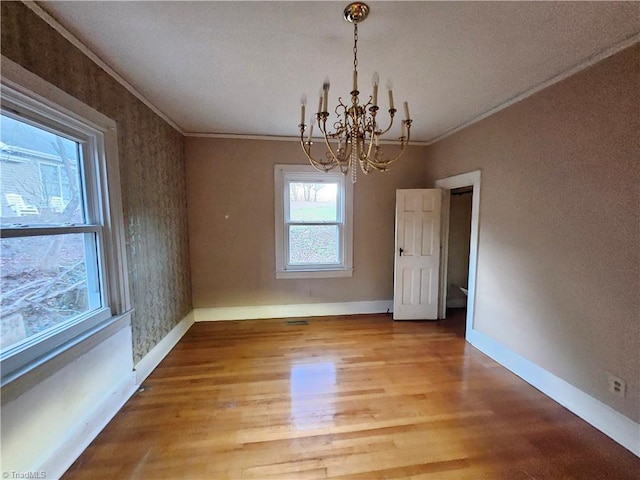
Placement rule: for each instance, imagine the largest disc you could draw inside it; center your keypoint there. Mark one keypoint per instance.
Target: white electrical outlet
(617, 386)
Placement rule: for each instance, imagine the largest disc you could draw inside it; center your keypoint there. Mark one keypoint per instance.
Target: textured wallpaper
(151, 165)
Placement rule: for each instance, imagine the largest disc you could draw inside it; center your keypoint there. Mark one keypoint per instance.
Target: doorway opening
(457, 284)
(459, 247)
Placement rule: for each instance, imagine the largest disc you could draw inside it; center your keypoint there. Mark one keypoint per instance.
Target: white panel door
(417, 258)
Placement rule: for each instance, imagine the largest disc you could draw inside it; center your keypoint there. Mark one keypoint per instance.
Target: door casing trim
(469, 179)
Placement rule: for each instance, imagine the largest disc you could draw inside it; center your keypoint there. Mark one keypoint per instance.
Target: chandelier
(355, 138)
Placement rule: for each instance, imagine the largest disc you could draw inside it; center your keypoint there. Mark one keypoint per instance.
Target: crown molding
(233, 136)
(75, 41)
(242, 136)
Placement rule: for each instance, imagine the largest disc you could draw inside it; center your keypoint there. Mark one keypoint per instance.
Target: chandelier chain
(355, 46)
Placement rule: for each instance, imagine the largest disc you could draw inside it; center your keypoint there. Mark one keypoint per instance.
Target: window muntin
(80, 230)
(313, 223)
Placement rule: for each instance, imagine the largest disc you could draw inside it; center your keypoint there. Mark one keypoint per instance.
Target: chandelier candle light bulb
(312, 121)
(303, 103)
(325, 89)
(375, 80)
(320, 101)
(355, 139)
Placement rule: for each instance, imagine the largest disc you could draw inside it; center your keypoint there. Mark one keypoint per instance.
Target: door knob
(401, 250)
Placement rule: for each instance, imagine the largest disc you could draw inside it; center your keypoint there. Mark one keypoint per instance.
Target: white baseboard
(152, 359)
(287, 311)
(79, 439)
(610, 422)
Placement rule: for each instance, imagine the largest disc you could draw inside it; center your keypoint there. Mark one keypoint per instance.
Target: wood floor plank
(359, 397)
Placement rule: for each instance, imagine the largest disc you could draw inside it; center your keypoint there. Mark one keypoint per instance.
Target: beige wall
(231, 226)
(152, 172)
(558, 270)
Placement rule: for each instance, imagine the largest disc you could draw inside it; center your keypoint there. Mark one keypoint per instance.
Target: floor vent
(297, 322)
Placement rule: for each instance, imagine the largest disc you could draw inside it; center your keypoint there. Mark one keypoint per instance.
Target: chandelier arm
(317, 164)
(322, 166)
(407, 124)
(392, 112)
(384, 165)
(365, 159)
(323, 128)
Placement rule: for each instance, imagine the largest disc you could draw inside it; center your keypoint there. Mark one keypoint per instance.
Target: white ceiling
(239, 68)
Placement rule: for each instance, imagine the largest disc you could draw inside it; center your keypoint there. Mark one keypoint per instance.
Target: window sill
(338, 273)
(64, 353)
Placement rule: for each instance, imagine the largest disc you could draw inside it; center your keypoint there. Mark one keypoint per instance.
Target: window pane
(313, 244)
(313, 202)
(40, 182)
(46, 280)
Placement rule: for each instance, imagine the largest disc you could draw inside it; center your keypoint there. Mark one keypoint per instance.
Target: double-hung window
(61, 247)
(314, 231)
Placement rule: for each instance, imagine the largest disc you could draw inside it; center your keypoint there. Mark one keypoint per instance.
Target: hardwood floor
(358, 397)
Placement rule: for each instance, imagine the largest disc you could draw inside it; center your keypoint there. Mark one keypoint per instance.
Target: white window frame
(285, 174)
(29, 97)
